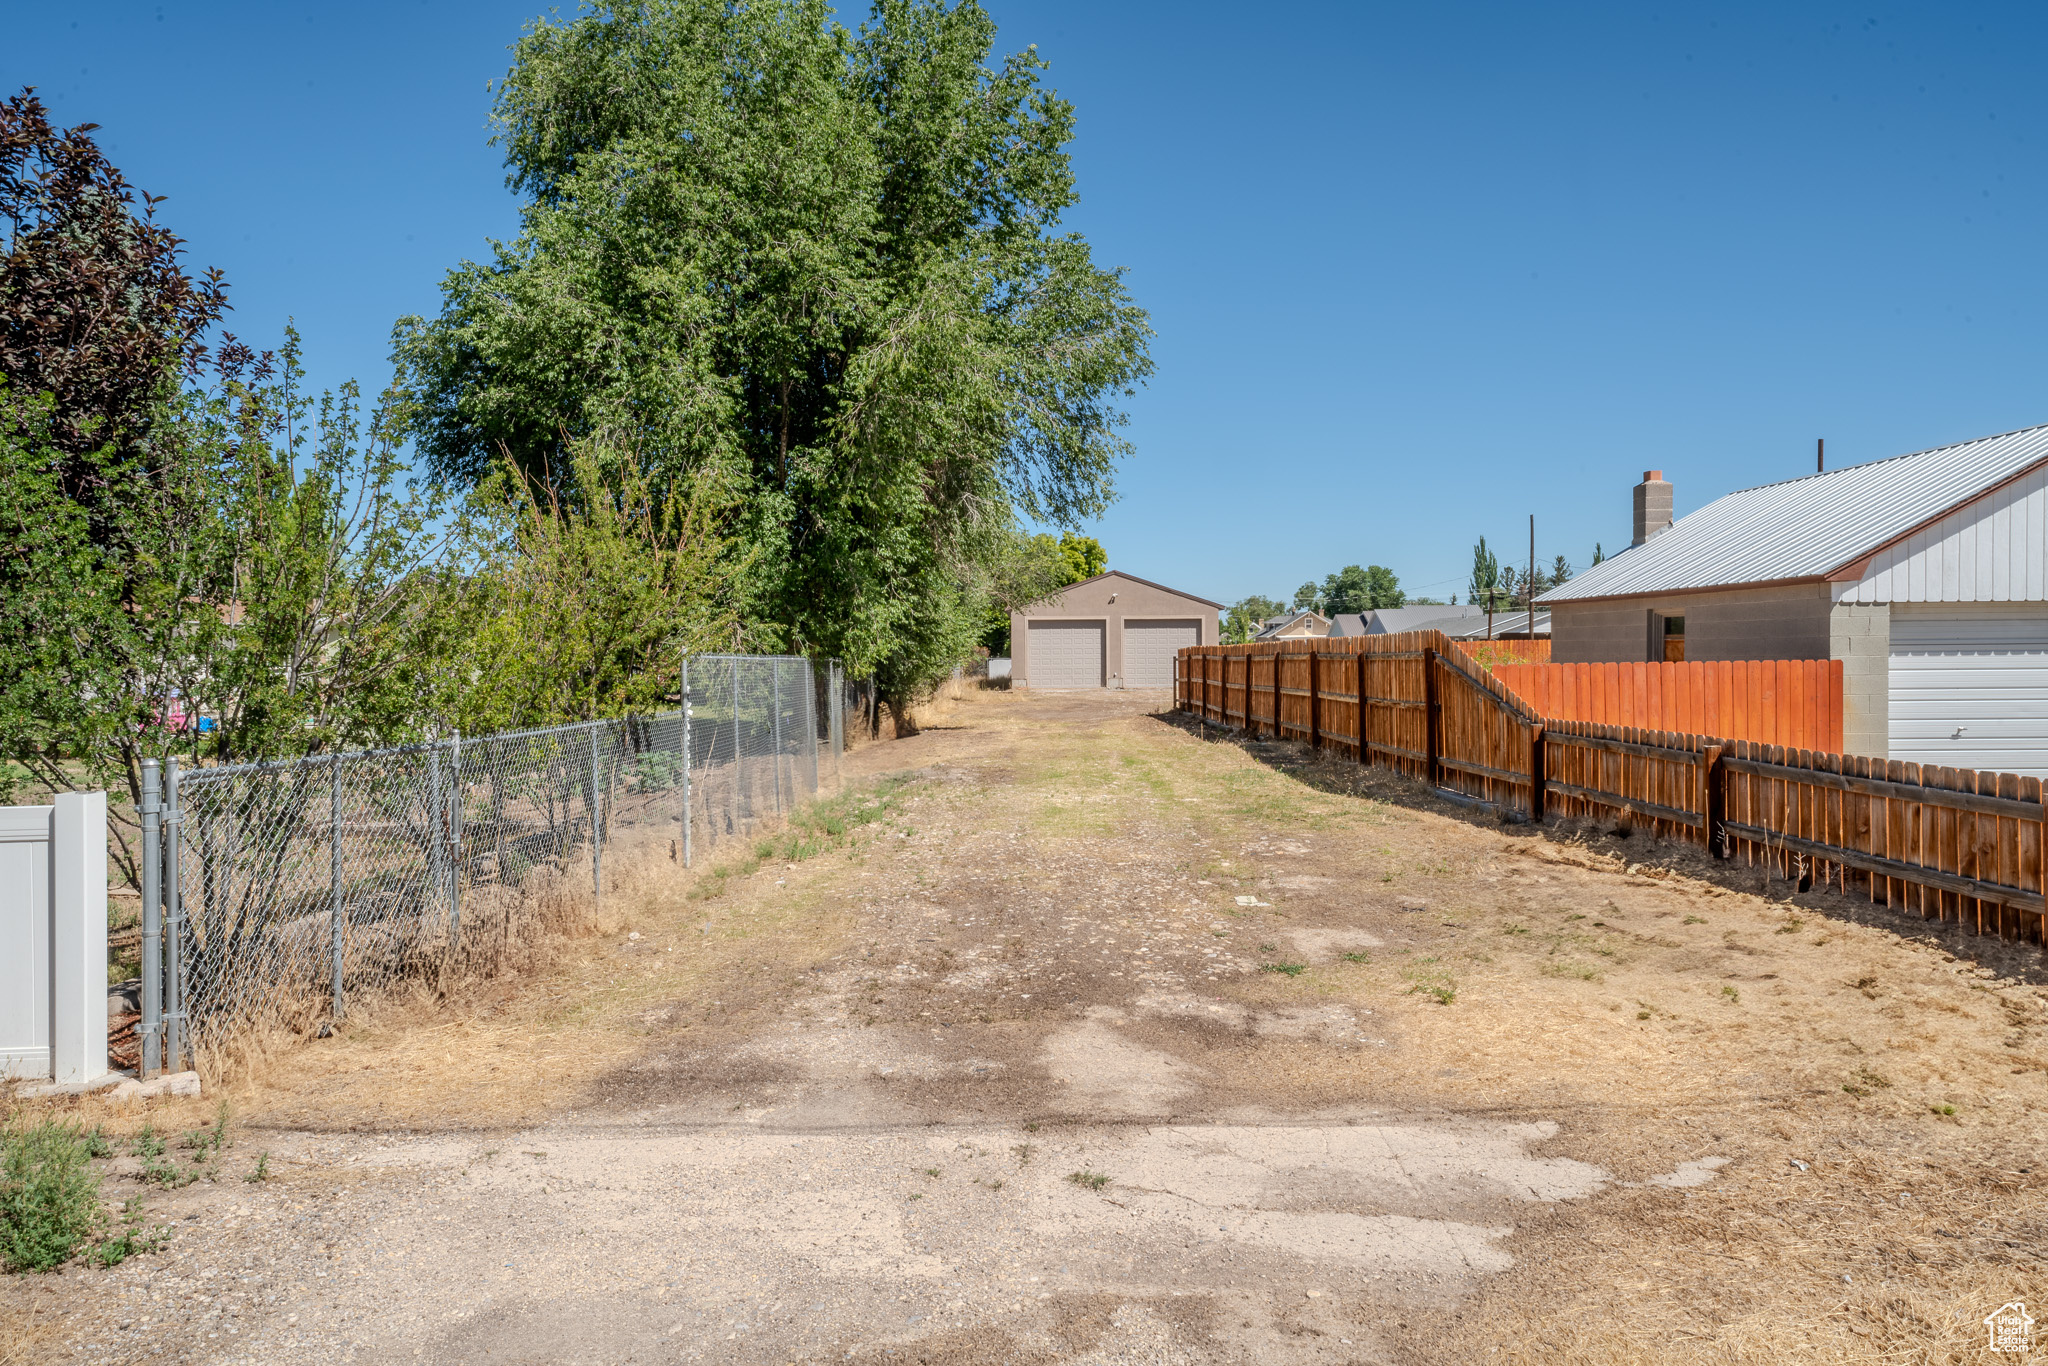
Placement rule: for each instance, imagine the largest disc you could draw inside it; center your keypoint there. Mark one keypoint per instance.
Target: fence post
(686, 760)
(149, 1032)
(1429, 718)
(1315, 698)
(78, 936)
(437, 827)
(1714, 795)
(1364, 735)
(1537, 775)
(775, 724)
(455, 841)
(174, 923)
(596, 856)
(836, 714)
(741, 804)
(336, 920)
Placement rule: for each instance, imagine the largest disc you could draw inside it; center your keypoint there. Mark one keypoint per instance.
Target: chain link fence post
(775, 705)
(455, 842)
(150, 1030)
(596, 854)
(686, 760)
(174, 926)
(336, 920)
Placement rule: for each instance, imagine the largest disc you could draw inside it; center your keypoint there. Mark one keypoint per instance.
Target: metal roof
(1808, 528)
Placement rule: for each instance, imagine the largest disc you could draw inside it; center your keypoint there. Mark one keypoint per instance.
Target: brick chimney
(1653, 505)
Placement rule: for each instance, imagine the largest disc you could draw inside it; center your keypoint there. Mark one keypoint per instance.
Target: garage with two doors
(1112, 631)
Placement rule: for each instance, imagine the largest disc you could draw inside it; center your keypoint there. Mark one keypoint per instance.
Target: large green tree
(816, 271)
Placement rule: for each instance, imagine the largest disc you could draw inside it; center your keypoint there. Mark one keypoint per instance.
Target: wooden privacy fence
(1948, 843)
(1796, 702)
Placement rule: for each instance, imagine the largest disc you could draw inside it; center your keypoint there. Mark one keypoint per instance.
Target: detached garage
(1112, 631)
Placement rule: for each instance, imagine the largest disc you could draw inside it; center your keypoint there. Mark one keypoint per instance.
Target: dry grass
(654, 962)
(1668, 1007)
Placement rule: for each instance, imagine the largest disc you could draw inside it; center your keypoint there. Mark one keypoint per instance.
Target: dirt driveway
(1074, 1034)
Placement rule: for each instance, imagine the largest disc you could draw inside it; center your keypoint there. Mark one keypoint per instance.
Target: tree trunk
(899, 712)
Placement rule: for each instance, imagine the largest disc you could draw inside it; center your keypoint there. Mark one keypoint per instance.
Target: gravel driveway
(1108, 1041)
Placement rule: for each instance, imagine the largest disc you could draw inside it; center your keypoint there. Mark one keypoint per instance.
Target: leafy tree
(1487, 587)
(96, 310)
(573, 612)
(1307, 598)
(1246, 616)
(1029, 568)
(819, 274)
(1360, 590)
(1083, 556)
(275, 576)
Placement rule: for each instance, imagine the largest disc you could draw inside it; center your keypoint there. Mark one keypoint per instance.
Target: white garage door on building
(1969, 687)
(1065, 654)
(1149, 648)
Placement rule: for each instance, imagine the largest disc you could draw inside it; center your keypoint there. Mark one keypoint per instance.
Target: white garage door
(1969, 689)
(1065, 654)
(1149, 648)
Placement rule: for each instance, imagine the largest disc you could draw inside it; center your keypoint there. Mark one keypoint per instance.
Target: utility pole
(1529, 585)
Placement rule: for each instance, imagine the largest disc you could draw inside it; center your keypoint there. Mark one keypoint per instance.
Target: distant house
(1925, 574)
(1293, 626)
(1115, 630)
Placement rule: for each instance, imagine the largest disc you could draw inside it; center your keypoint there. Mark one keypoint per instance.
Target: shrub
(49, 1194)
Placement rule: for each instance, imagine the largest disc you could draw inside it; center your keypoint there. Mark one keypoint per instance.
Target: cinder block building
(1925, 574)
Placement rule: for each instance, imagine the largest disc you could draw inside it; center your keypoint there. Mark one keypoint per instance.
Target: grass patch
(49, 1194)
(1290, 969)
(1571, 967)
(815, 828)
(1427, 977)
(1094, 1181)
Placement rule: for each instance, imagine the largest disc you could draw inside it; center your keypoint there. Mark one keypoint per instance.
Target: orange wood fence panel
(1796, 702)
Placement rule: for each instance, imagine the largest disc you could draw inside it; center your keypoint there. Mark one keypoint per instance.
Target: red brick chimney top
(1648, 475)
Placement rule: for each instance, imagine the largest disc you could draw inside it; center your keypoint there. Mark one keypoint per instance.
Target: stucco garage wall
(1112, 599)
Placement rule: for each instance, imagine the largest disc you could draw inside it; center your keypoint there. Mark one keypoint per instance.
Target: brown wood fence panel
(1336, 684)
(1947, 843)
(1486, 739)
(1795, 702)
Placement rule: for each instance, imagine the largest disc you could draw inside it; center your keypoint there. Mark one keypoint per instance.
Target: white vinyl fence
(53, 939)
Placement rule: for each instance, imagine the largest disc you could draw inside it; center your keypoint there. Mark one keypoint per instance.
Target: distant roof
(1384, 620)
(1504, 624)
(1819, 527)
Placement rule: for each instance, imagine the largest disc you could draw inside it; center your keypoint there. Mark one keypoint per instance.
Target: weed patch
(49, 1194)
(815, 828)
(1094, 1181)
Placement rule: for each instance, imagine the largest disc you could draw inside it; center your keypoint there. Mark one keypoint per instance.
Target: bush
(49, 1194)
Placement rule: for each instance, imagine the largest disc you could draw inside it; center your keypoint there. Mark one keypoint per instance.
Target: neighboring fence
(1493, 653)
(287, 887)
(1796, 702)
(1948, 843)
(53, 939)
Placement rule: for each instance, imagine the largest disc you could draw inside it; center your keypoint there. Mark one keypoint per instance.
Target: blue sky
(1417, 271)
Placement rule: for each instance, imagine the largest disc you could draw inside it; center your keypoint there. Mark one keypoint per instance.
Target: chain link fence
(288, 888)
